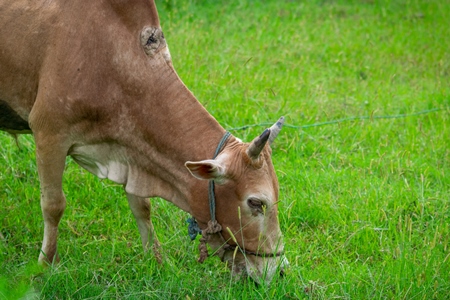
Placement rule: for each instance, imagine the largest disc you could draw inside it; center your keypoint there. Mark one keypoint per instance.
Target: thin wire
(371, 117)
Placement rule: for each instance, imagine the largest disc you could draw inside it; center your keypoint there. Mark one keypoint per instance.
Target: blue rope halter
(193, 228)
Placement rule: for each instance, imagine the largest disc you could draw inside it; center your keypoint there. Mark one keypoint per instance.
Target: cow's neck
(151, 134)
(175, 128)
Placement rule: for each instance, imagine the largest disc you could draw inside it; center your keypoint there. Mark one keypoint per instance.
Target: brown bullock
(94, 80)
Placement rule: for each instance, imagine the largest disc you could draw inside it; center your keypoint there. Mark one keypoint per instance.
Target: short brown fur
(77, 74)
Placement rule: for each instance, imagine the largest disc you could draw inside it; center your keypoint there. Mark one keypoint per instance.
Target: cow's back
(24, 32)
(69, 57)
(42, 45)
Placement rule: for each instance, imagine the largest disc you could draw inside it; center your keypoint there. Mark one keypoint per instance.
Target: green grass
(365, 204)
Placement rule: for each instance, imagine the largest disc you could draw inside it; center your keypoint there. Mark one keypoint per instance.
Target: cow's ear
(206, 169)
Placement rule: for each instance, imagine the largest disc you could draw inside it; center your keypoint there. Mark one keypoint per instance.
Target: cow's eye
(256, 205)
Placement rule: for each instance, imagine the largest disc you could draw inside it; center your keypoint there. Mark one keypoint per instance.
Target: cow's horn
(275, 129)
(257, 145)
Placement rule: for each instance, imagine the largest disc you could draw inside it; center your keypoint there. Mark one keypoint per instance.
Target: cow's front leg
(51, 158)
(141, 209)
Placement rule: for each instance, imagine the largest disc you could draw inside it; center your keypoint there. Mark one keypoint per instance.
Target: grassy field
(365, 203)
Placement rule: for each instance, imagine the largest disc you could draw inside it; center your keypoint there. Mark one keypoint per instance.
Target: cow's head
(246, 192)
